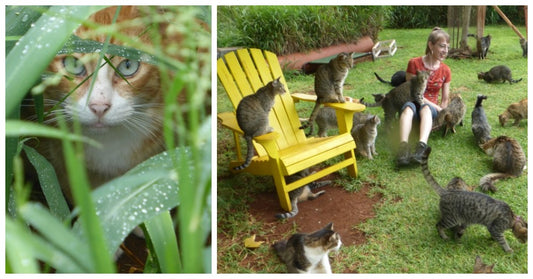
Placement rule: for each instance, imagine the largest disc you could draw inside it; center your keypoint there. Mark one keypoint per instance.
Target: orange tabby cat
(124, 116)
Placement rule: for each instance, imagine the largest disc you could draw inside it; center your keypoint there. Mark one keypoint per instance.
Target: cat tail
(249, 155)
(317, 184)
(427, 174)
(311, 120)
(376, 104)
(514, 80)
(290, 214)
(480, 99)
(486, 183)
(380, 79)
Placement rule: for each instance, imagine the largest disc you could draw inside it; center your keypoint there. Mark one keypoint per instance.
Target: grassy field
(402, 238)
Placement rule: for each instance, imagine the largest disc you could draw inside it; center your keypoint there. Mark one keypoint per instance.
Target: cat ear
(329, 226)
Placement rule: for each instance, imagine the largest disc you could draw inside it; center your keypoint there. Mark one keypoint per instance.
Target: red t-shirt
(436, 78)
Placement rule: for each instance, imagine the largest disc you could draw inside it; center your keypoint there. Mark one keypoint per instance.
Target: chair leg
(281, 188)
(352, 169)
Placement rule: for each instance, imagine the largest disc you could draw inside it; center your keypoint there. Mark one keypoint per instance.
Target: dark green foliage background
(288, 29)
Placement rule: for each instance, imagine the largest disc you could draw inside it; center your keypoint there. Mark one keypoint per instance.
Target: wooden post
(465, 24)
(481, 12)
(525, 12)
(508, 22)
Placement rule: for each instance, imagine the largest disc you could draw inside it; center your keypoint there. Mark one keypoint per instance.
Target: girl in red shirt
(439, 80)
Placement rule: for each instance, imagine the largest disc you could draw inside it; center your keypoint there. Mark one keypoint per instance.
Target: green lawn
(402, 238)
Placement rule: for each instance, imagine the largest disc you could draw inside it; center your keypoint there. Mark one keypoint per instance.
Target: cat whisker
(141, 124)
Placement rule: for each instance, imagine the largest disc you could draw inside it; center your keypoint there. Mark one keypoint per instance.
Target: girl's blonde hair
(436, 34)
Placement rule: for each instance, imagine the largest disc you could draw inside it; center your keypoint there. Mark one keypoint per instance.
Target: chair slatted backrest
(247, 70)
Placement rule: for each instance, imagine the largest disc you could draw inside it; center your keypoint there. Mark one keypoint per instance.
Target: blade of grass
(142, 193)
(19, 128)
(32, 53)
(49, 183)
(194, 195)
(20, 255)
(18, 20)
(56, 234)
(161, 233)
(24, 248)
(92, 228)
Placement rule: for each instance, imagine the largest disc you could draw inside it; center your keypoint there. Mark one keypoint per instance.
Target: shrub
(288, 29)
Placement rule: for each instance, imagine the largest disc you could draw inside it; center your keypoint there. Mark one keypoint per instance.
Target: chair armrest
(229, 120)
(296, 97)
(353, 107)
(268, 141)
(344, 112)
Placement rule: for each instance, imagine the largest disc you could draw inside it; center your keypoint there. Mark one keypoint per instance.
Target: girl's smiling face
(439, 50)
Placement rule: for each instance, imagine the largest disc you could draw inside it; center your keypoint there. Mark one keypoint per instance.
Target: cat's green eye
(128, 67)
(73, 65)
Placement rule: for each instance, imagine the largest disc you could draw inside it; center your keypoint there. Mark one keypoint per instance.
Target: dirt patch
(345, 209)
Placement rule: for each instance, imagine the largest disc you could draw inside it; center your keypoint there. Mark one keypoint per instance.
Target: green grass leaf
(32, 53)
(20, 128)
(74, 251)
(81, 192)
(20, 255)
(161, 232)
(142, 193)
(49, 183)
(18, 20)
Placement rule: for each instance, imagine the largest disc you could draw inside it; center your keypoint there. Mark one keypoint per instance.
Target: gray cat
(409, 91)
(500, 73)
(301, 194)
(459, 209)
(508, 160)
(327, 119)
(365, 135)
(480, 125)
(329, 82)
(523, 44)
(252, 115)
(308, 253)
(452, 115)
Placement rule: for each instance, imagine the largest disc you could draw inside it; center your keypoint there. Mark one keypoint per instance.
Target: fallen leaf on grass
(251, 243)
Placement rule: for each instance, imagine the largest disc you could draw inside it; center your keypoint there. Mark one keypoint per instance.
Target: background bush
(288, 29)
(430, 16)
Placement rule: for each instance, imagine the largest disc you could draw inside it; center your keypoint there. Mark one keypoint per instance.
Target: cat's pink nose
(99, 109)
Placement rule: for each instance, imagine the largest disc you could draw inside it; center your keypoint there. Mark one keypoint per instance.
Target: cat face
(520, 229)
(278, 87)
(481, 267)
(345, 59)
(126, 91)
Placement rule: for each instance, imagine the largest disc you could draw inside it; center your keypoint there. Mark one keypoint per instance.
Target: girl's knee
(426, 110)
(408, 109)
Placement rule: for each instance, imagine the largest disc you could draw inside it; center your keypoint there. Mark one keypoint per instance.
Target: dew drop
(25, 18)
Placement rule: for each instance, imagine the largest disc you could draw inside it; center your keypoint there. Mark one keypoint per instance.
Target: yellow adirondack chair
(285, 151)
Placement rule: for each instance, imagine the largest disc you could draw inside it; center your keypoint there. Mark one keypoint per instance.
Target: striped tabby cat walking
(459, 209)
